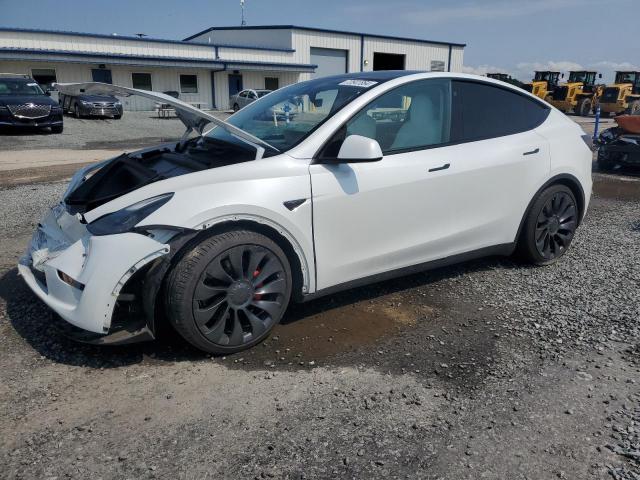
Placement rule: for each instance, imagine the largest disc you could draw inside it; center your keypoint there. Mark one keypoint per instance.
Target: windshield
(19, 86)
(576, 77)
(285, 117)
(626, 77)
(547, 76)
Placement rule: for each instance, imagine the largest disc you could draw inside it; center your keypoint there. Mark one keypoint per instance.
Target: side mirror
(47, 93)
(318, 102)
(357, 149)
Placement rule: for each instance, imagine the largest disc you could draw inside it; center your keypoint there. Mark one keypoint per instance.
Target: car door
(501, 161)
(433, 195)
(240, 98)
(374, 217)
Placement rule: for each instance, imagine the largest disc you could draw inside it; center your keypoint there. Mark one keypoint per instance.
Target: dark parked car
(24, 104)
(85, 105)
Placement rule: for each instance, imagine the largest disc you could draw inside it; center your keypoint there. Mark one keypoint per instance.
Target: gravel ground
(484, 370)
(133, 130)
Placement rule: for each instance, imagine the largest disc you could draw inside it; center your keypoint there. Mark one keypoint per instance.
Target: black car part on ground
(128, 172)
(617, 147)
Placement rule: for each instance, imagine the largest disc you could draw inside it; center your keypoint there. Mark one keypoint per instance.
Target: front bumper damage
(81, 276)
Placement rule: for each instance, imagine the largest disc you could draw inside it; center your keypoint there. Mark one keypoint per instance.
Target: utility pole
(242, 22)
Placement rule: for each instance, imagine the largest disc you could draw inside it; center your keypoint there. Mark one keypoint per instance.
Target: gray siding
(271, 38)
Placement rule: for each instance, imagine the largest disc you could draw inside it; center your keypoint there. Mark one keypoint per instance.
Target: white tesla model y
(316, 187)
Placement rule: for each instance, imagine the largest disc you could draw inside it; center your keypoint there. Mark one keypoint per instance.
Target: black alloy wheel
(549, 226)
(228, 292)
(556, 225)
(240, 295)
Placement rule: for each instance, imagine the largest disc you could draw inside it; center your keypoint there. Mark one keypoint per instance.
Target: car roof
(16, 77)
(377, 75)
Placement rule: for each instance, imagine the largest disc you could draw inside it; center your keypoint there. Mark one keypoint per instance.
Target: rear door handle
(532, 152)
(442, 167)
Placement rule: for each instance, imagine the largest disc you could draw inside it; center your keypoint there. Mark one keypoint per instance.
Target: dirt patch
(312, 339)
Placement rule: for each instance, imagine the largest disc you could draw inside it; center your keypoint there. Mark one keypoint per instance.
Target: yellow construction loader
(623, 96)
(580, 93)
(543, 84)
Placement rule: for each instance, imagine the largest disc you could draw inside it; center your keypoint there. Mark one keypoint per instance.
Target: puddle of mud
(309, 339)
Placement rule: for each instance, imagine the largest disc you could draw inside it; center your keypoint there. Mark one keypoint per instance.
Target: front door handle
(532, 152)
(442, 167)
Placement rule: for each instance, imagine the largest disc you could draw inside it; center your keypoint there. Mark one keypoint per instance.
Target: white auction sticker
(358, 83)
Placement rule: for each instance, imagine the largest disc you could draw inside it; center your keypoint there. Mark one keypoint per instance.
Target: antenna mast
(242, 22)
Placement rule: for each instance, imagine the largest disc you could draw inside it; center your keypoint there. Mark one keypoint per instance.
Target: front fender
(301, 244)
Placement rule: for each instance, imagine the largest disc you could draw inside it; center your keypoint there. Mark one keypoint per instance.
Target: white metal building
(211, 65)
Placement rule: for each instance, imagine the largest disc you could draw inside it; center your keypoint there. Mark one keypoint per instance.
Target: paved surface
(133, 130)
(34, 156)
(487, 370)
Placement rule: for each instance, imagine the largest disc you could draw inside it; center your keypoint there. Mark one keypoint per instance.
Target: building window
(271, 83)
(188, 84)
(141, 81)
(44, 76)
(437, 66)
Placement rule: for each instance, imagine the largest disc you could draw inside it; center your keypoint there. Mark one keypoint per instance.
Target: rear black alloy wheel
(550, 226)
(236, 107)
(556, 224)
(229, 291)
(240, 295)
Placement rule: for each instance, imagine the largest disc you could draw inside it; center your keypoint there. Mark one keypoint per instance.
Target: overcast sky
(516, 36)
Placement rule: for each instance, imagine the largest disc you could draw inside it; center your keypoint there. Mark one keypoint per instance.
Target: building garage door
(329, 61)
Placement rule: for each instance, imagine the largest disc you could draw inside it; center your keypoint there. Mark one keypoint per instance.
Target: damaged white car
(316, 187)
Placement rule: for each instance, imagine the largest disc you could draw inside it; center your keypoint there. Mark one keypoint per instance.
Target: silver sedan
(245, 97)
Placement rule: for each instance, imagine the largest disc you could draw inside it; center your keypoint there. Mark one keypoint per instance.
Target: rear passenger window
(482, 111)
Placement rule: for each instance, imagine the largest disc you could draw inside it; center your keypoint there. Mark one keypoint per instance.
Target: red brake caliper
(257, 296)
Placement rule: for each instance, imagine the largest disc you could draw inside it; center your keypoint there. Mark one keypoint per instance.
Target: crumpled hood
(193, 118)
(22, 99)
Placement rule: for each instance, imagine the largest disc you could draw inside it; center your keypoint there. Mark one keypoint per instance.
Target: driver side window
(411, 117)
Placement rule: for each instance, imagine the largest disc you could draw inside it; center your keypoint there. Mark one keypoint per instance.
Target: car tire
(549, 226)
(228, 292)
(117, 117)
(236, 107)
(57, 129)
(583, 108)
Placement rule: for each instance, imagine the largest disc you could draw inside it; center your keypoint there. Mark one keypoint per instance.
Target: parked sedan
(85, 105)
(23, 104)
(377, 175)
(245, 97)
